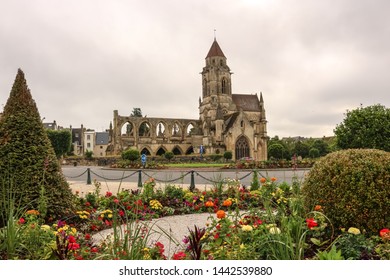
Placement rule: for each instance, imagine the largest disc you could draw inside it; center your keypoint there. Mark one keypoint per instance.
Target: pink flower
(116, 201)
(21, 221)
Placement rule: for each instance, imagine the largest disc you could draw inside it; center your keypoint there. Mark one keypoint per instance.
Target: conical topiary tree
(29, 169)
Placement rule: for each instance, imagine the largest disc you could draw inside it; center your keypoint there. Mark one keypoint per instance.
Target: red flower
(87, 236)
(73, 246)
(108, 194)
(87, 204)
(179, 256)
(94, 250)
(116, 201)
(385, 233)
(72, 239)
(21, 221)
(121, 213)
(311, 223)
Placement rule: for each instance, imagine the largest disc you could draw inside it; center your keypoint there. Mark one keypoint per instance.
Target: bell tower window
(223, 86)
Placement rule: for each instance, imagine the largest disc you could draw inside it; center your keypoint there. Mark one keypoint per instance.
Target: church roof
(215, 50)
(247, 102)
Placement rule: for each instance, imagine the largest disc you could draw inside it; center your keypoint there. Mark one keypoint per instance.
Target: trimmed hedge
(353, 188)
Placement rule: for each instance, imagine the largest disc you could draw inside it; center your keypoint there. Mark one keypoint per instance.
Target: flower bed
(274, 225)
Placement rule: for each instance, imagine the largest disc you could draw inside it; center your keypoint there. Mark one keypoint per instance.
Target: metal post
(192, 184)
(89, 182)
(139, 179)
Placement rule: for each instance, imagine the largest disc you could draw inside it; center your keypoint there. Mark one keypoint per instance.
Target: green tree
(301, 149)
(321, 146)
(169, 156)
(277, 151)
(365, 127)
(28, 164)
(314, 153)
(61, 140)
(228, 155)
(137, 112)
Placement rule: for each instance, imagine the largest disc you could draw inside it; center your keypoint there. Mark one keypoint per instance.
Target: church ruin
(227, 121)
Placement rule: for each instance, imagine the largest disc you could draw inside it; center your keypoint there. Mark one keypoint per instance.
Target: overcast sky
(312, 60)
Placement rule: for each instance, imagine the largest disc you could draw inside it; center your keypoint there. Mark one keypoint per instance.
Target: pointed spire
(215, 50)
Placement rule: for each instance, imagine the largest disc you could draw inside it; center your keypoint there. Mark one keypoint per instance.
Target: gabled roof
(215, 50)
(102, 138)
(247, 102)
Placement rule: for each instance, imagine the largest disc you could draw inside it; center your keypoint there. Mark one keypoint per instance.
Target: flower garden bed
(263, 222)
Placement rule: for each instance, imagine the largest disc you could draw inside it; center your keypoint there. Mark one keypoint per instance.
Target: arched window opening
(223, 85)
(144, 130)
(242, 148)
(127, 129)
(176, 151)
(190, 129)
(190, 150)
(160, 130)
(160, 152)
(176, 130)
(145, 151)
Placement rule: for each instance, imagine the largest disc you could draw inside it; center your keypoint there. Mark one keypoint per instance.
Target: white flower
(274, 230)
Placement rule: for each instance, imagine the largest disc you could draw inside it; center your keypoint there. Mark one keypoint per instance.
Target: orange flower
(221, 214)
(273, 179)
(227, 203)
(263, 180)
(32, 212)
(318, 208)
(209, 203)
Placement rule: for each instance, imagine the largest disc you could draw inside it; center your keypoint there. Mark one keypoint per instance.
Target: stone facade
(227, 122)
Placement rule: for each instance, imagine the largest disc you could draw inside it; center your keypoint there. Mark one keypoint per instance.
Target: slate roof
(247, 102)
(102, 138)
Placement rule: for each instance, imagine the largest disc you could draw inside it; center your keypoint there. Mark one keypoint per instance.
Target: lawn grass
(195, 165)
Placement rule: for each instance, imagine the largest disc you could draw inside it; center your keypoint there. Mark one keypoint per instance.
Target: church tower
(216, 89)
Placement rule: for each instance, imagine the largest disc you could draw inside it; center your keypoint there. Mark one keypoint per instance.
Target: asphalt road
(201, 176)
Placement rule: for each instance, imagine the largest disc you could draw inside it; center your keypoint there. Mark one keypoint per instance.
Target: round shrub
(353, 188)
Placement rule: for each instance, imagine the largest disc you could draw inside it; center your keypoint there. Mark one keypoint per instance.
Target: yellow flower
(242, 246)
(73, 230)
(45, 227)
(247, 228)
(110, 215)
(354, 230)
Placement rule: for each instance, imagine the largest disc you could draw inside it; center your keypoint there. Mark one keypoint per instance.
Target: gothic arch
(144, 129)
(161, 129)
(161, 151)
(145, 151)
(127, 129)
(189, 128)
(190, 150)
(242, 147)
(177, 151)
(176, 129)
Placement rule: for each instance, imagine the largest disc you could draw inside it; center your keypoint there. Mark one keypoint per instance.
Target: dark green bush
(353, 188)
(131, 154)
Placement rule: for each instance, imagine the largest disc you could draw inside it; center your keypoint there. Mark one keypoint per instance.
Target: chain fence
(140, 172)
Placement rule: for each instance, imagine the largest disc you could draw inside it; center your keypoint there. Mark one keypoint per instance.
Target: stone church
(227, 121)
